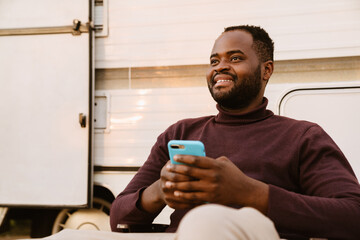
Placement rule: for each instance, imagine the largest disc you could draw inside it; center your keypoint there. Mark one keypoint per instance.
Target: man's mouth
(222, 80)
(222, 83)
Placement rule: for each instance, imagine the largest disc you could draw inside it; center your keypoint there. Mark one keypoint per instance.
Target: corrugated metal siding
(162, 33)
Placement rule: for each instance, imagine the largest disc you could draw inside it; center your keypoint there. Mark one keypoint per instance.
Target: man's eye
(235, 58)
(213, 61)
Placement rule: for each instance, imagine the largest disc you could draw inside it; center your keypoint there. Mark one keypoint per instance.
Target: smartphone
(185, 147)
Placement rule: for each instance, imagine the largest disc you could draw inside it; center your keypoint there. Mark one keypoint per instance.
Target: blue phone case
(185, 147)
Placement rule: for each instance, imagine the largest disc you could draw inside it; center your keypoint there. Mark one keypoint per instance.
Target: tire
(4, 224)
(96, 218)
(41, 222)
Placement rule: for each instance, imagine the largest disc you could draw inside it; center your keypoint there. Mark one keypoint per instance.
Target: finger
(176, 202)
(192, 186)
(196, 161)
(168, 186)
(176, 177)
(194, 173)
(167, 174)
(190, 201)
(184, 170)
(194, 197)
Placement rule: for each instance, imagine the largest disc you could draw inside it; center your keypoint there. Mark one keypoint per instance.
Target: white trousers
(207, 222)
(215, 222)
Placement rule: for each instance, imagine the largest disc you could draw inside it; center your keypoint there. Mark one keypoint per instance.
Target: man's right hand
(160, 193)
(167, 178)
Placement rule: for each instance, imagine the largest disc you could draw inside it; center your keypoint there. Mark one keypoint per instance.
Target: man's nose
(222, 66)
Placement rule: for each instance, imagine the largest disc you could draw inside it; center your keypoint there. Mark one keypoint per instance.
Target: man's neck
(253, 105)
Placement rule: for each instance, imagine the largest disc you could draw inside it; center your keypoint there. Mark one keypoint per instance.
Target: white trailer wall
(164, 33)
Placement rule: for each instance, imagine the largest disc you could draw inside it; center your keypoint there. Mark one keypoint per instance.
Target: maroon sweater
(313, 190)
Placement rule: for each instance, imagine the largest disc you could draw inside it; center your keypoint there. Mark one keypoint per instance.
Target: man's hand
(167, 179)
(160, 193)
(205, 179)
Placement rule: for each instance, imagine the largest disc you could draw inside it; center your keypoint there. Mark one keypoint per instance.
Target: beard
(241, 94)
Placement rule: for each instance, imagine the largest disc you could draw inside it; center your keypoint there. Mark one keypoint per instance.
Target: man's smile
(222, 80)
(223, 83)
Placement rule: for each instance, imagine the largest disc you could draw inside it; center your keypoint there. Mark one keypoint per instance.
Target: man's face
(234, 77)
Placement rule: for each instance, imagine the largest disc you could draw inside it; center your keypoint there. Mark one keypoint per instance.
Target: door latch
(82, 120)
(76, 27)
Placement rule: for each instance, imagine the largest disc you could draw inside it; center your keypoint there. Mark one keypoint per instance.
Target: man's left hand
(217, 181)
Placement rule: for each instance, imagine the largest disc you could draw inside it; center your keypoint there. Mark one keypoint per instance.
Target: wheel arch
(102, 191)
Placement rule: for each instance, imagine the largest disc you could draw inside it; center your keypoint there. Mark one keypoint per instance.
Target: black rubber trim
(115, 169)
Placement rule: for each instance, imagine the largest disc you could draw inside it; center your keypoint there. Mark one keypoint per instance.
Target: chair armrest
(141, 228)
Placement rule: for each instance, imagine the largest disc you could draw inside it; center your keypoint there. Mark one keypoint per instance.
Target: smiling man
(263, 174)
(235, 74)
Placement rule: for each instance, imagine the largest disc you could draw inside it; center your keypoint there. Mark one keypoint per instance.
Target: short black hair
(262, 43)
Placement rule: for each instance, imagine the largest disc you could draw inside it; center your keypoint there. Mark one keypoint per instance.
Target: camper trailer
(87, 86)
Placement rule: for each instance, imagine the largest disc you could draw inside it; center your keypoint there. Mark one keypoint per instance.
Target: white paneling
(41, 13)
(156, 33)
(137, 117)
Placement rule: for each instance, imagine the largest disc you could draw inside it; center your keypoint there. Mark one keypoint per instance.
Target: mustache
(233, 76)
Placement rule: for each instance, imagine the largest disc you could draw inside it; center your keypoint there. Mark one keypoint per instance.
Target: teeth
(219, 81)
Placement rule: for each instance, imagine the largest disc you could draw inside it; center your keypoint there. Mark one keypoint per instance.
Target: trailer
(87, 86)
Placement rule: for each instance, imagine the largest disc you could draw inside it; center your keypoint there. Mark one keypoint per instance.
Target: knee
(207, 214)
(213, 221)
(199, 223)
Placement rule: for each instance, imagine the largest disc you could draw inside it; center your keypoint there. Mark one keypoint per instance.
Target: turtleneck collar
(258, 114)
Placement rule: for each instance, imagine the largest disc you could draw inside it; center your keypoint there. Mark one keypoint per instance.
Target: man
(290, 171)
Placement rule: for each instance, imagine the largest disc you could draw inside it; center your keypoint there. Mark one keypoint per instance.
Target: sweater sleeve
(328, 203)
(125, 209)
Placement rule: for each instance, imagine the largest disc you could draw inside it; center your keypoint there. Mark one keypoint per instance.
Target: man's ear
(268, 70)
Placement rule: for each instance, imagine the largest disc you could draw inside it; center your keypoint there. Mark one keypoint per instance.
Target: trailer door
(335, 109)
(45, 103)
